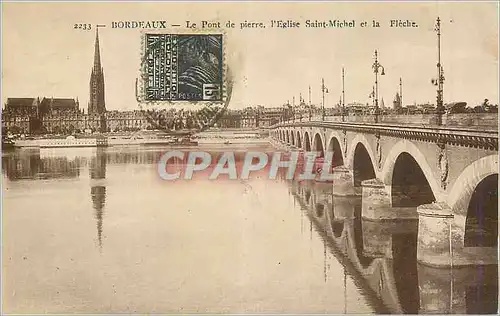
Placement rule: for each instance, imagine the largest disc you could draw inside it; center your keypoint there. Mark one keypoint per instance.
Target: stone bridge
(444, 176)
(380, 256)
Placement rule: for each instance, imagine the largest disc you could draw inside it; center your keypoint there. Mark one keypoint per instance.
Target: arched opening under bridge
(318, 145)
(307, 142)
(410, 187)
(362, 165)
(334, 147)
(481, 227)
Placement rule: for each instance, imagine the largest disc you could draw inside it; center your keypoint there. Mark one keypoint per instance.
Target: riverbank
(212, 137)
(131, 141)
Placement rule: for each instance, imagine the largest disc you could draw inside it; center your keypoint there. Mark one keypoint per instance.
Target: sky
(43, 55)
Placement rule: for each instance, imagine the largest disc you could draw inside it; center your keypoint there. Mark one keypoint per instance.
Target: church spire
(97, 54)
(96, 99)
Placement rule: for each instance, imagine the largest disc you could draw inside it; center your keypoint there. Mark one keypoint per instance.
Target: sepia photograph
(243, 157)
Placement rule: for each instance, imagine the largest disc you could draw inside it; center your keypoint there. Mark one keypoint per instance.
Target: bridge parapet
(481, 121)
(459, 135)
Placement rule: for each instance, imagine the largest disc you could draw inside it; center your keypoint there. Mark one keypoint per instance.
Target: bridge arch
(474, 198)
(307, 142)
(467, 181)
(406, 153)
(318, 144)
(299, 140)
(360, 138)
(362, 165)
(336, 149)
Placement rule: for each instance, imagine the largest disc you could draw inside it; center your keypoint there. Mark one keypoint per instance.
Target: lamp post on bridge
(293, 108)
(376, 68)
(289, 110)
(372, 97)
(323, 90)
(301, 106)
(343, 96)
(439, 81)
(310, 113)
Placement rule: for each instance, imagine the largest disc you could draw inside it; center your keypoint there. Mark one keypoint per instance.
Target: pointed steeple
(97, 54)
(96, 100)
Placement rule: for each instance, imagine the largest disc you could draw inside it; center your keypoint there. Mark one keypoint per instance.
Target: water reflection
(382, 257)
(376, 259)
(98, 190)
(35, 164)
(404, 256)
(28, 164)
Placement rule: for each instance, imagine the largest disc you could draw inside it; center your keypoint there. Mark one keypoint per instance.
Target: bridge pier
(441, 240)
(434, 245)
(343, 182)
(377, 202)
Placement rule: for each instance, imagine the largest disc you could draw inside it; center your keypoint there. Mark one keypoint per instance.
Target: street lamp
(376, 68)
(372, 97)
(343, 96)
(301, 106)
(440, 110)
(310, 114)
(323, 90)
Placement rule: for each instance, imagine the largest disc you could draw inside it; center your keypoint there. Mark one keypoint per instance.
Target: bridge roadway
(444, 176)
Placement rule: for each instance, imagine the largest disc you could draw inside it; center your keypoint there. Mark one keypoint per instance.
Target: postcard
(249, 157)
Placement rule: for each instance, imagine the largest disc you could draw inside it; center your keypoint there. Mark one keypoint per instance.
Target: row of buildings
(64, 116)
(49, 115)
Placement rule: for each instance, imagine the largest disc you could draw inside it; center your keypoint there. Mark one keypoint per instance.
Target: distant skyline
(44, 56)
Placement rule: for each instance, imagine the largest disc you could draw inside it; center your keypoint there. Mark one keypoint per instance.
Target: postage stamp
(184, 81)
(183, 67)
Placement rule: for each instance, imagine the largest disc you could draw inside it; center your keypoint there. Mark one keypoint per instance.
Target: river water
(98, 231)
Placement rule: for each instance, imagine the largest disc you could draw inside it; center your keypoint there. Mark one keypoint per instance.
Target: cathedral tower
(96, 100)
